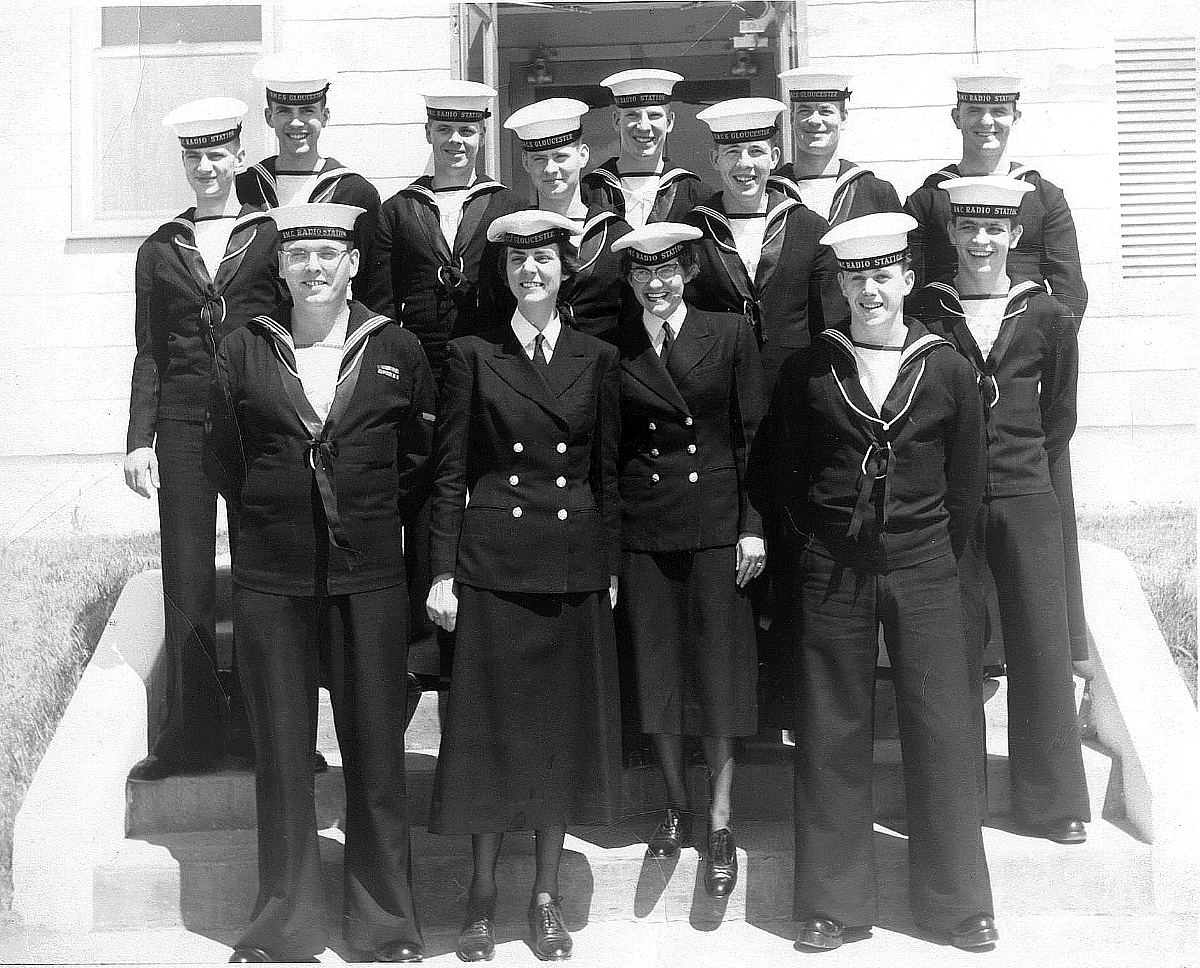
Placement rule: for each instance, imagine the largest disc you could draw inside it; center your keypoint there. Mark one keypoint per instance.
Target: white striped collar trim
(773, 216)
(356, 344)
(839, 338)
(605, 175)
(479, 188)
(1023, 172)
(1015, 293)
(846, 177)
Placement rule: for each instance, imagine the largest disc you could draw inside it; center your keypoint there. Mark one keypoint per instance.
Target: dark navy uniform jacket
(591, 299)
(857, 191)
(875, 490)
(1028, 381)
(336, 183)
(794, 293)
(1047, 253)
(537, 455)
(321, 502)
(687, 430)
(182, 314)
(434, 289)
(679, 191)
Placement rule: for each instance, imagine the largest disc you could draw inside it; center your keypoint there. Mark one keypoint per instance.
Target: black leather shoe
(1069, 830)
(477, 938)
(977, 932)
(551, 940)
(155, 767)
(401, 951)
(674, 832)
(319, 763)
(250, 956)
(823, 933)
(720, 864)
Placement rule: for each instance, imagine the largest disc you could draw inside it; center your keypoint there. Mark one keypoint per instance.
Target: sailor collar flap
(422, 189)
(245, 230)
(332, 171)
(720, 231)
(670, 174)
(1018, 298)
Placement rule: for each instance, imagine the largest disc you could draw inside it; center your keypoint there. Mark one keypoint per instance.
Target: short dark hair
(568, 255)
(687, 259)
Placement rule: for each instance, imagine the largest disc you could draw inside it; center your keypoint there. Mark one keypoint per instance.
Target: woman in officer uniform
(692, 398)
(527, 573)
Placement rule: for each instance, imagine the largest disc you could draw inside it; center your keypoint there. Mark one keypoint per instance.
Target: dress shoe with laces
(551, 940)
(976, 932)
(720, 864)
(823, 933)
(407, 952)
(155, 767)
(673, 833)
(477, 939)
(1069, 830)
(250, 956)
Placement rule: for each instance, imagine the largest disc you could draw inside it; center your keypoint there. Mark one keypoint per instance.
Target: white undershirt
(318, 365)
(748, 235)
(450, 208)
(654, 326)
(640, 192)
(877, 371)
(817, 193)
(527, 334)
(295, 189)
(984, 318)
(212, 239)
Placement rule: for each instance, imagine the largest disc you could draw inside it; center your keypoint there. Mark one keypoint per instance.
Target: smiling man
(432, 268)
(872, 456)
(321, 426)
(298, 113)
(640, 184)
(198, 277)
(818, 176)
(1022, 345)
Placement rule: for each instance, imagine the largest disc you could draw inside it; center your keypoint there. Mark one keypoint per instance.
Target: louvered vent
(1156, 136)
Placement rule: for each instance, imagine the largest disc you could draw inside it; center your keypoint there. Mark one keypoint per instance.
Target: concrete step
(763, 790)
(208, 880)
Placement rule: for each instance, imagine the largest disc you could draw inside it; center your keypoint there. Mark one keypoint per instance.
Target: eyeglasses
(664, 272)
(296, 258)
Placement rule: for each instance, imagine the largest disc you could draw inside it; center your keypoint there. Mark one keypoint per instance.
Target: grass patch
(1160, 543)
(58, 595)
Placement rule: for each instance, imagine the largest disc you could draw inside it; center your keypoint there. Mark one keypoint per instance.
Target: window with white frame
(131, 64)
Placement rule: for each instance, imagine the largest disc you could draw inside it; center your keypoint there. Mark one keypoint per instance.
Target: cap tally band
(647, 99)
(984, 211)
(456, 114)
(544, 237)
(745, 134)
(552, 141)
(304, 97)
(210, 140)
(808, 94)
(988, 97)
(655, 258)
(333, 232)
(874, 262)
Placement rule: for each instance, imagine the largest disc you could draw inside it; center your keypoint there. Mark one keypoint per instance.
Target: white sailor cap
(455, 100)
(657, 242)
(316, 220)
(206, 123)
(547, 124)
(986, 196)
(742, 119)
(641, 87)
(870, 241)
(987, 87)
(803, 84)
(530, 228)
(293, 78)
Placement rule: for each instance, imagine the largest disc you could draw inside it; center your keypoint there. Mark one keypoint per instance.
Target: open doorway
(564, 50)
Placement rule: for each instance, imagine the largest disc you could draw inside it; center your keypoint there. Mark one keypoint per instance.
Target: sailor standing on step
(321, 426)
(197, 277)
(641, 184)
(818, 175)
(986, 113)
(433, 269)
(297, 90)
(1022, 345)
(873, 455)
(554, 155)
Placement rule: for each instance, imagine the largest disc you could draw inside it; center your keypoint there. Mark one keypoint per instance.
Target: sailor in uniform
(297, 90)
(432, 269)
(321, 427)
(197, 277)
(1048, 254)
(817, 175)
(1022, 344)
(873, 453)
(554, 155)
(641, 184)
(761, 254)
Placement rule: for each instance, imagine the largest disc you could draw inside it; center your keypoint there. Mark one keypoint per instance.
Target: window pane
(133, 26)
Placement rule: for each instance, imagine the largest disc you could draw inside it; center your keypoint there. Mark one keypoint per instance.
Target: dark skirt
(691, 630)
(532, 731)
